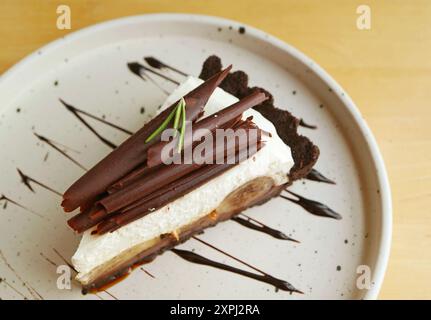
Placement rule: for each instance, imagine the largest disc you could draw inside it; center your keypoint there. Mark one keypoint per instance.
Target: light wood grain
(386, 70)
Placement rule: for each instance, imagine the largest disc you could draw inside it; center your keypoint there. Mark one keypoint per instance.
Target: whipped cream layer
(274, 161)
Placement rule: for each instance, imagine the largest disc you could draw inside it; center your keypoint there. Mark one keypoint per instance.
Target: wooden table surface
(386, 70)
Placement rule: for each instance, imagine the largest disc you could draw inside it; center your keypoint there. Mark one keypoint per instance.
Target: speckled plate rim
(378, 163)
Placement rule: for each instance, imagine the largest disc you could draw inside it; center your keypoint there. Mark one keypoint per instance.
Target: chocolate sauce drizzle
(2, 280)
(48, 259)
(254, 224)
(227, 254)
(198, 259)
(315, 175)
(302, 123)
(139, 70)
(33, 292)
(147, 273)
(313, 207)
(8, 200)
(53, 145)
(64, 260)
(283, 283)
(27, 180)
(77, 113)
(157, 64)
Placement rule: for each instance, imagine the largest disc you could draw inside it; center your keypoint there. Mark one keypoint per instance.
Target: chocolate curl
(152, 182)
(88, 204)
(149, 186)
(211, 122)
(146, 185)
(171, 193)
(87, 219)
(125, 196)
(210, 158)
(132, 176)
(144, 170)
(133, 152)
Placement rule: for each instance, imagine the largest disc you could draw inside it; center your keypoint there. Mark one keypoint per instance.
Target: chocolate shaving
(143, 170)
(170, 193)
(87, 219)
(132, 176)
(211, 123)
(213, 156)
(132, 152)
(143, 188)
(152, 182)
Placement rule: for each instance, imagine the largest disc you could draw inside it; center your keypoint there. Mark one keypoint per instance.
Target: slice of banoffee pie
(216, 148)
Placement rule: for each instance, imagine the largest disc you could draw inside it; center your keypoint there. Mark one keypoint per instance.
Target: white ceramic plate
(88, 70)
